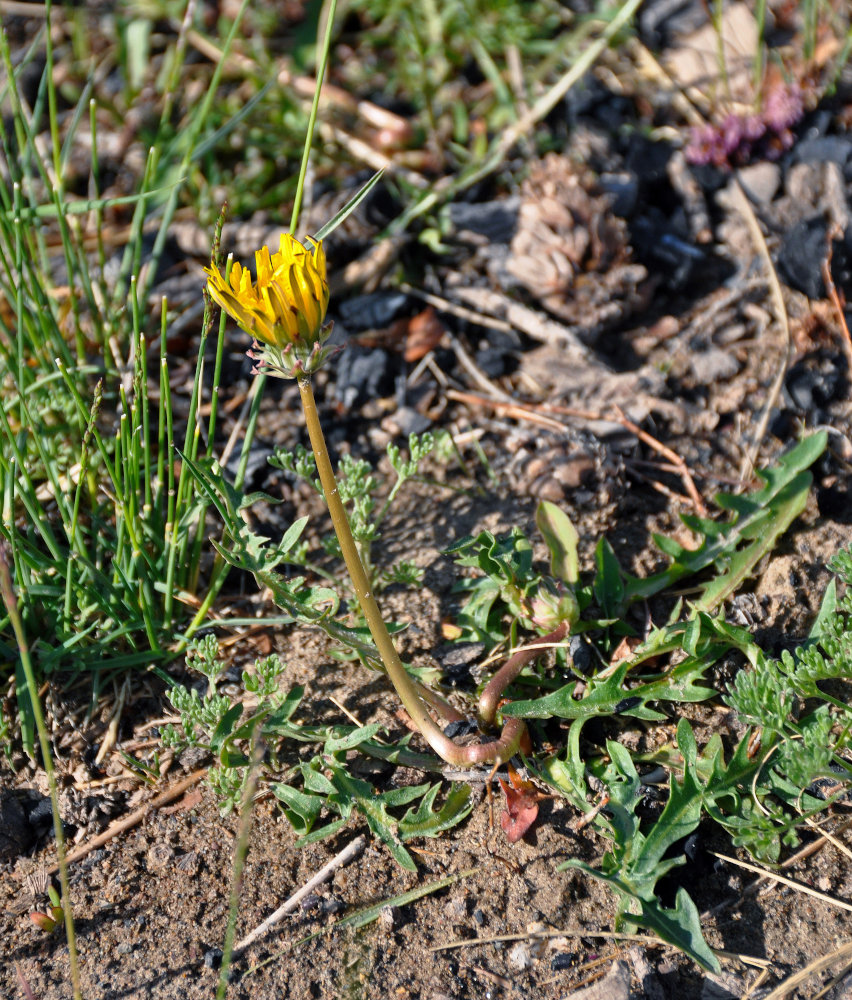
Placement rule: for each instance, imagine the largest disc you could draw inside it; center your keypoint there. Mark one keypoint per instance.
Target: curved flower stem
(493, 690)
(502, 749)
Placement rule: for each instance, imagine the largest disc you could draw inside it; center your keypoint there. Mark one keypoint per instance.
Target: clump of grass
(106, 533)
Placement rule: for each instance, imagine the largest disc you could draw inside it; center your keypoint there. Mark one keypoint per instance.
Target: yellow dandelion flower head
(285, 306)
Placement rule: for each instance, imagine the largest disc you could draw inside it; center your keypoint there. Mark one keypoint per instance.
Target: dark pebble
(835, 502)
(564, 960)
(16, 832)
(373, 311)
(493, 362)
(626, 704)
(660, 22)
(213, 958)
(457, 661)
(479, 916)
(496, 220)
(582, 655)
(664, 250)
(257, 465)
(648, 161)
(462, 654)
(40, 815)
(692, 848)
(803, 249)
(624, 189)
(809, 387)
(462, 727)
(363, 374)
(823, 149)
(405, 421)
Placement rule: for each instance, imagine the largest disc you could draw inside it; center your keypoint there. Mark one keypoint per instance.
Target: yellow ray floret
(287, 303)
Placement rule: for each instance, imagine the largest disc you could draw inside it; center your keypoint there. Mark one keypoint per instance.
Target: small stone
(390, 917)
(582, 654)
(537, 467)
(363, 374)
(495, 220)
(760, 181)
(624, 188)
(519, 957)
(462, 654)
(213, 958)
(493, 362)
(724, 987)
(192, 758)
(374, 310)
(158, 857)
(574, 471)
(548, 489)
(615, 985)
(813, 384)
(460, 727)
(405, 421)
(479, 916)
(540, 940)
(801, 254)
(824, 149)
(713, 365)
(564, 960)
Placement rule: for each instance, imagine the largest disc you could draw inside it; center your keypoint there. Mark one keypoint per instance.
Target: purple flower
(739, 138)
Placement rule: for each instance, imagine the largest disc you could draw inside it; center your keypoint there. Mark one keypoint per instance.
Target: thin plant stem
(493, 690)
(53, 117)
(502, 749)
(75, 545)
(8, 593)
(309, 138)
(240, 853)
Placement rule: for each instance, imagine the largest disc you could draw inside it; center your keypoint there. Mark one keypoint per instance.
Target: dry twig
(676, 460)
(341, 858)
(836, 300)
(831, 900)
(785, 989)
(136, 817)
(741, 203)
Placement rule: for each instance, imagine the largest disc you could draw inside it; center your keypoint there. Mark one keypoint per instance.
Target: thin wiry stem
(7, 591)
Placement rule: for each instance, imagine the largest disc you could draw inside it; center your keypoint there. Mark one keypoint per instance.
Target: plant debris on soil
(611, 283)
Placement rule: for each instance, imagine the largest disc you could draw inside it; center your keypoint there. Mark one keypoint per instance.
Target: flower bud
(552, 605)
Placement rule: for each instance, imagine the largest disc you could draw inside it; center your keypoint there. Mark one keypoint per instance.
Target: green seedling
(49, 919)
